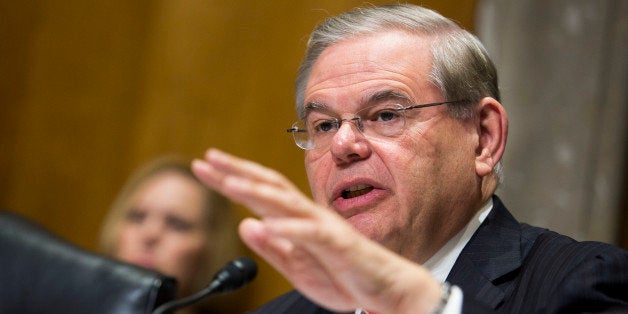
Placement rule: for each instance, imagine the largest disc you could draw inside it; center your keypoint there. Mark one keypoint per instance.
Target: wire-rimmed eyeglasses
(382, 120)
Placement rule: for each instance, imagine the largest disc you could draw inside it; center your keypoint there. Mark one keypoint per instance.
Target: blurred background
(89, 90)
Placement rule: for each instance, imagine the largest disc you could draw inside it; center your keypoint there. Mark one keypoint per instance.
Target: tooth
(356, 191)
(357, 187)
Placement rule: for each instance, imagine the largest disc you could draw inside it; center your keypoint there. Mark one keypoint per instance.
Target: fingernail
(216, 155)
(199, 165)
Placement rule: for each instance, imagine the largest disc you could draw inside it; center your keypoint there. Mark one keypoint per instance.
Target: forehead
(364, 65)
(171, 190)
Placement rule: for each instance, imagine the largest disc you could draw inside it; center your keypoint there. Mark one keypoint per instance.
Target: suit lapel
(493, 252)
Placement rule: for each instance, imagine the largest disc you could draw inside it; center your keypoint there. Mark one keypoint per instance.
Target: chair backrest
(42, 273)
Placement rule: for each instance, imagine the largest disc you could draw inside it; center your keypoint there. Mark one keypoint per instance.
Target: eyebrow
(312, 106)
(388, 95)
(374, 98)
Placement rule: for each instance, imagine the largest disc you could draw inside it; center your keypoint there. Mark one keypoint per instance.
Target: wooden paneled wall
(89, 90)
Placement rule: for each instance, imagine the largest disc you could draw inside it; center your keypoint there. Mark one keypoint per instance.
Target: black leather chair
(42, 273)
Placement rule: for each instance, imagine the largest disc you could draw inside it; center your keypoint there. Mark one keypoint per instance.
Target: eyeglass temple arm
(434, 104)
(295, 129)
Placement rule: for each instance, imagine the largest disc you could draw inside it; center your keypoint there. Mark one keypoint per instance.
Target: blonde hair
(223, 243)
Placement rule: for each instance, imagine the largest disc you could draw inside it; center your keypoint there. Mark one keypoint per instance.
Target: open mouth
(356, 191)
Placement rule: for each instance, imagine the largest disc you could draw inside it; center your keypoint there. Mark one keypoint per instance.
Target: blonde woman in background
(164, 219)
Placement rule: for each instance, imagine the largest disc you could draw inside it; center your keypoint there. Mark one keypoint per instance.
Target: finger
(297, 265)
(255, 234)
(269, 200)
(262, 197)
(338, 249)
(239, 167)
(275, 250)
(207, 174)
(332, 233)
(337, 246)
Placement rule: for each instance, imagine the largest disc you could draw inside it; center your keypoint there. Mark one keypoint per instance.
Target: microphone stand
(175, 305)
(232, 276)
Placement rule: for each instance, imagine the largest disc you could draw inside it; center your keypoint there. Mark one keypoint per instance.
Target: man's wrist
(445, 292)
(450, 300)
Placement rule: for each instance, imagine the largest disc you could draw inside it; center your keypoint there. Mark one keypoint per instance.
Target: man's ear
(493, 130)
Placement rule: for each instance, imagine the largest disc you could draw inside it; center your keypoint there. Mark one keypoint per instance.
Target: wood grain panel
(91, 90)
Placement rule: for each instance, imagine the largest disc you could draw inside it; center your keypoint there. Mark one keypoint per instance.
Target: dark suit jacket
(510, 267)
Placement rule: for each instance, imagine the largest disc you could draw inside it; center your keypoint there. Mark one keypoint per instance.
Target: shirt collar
(441, 263)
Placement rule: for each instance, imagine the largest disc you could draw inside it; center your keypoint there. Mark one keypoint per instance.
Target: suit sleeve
(599, 283)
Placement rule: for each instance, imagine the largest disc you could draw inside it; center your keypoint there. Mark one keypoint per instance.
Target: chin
(366, 225)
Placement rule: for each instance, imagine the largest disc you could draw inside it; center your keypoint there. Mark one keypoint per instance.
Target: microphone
(232, 276)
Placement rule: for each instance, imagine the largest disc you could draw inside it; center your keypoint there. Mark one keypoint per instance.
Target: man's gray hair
(461, 69)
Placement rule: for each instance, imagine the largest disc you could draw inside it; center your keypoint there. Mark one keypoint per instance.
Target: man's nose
(349, 144)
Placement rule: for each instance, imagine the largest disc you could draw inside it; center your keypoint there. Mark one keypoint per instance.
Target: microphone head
(235, 274)
(232, 276)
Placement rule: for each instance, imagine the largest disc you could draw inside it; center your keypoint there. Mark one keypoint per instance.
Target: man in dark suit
(403, 133)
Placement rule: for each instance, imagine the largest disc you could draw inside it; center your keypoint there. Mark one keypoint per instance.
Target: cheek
(430, 148)
(183, 254)
(441, 163)
(414, 162)
(408, 160)
(183, 260)
(126, 243)
(317, 171)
